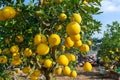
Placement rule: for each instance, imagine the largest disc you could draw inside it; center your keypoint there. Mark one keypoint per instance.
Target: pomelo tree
(110, 46)
(44, 36)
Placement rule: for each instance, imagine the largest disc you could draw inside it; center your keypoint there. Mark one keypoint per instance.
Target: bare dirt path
(93, 75)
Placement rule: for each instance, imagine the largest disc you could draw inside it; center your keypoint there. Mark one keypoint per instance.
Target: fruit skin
(42, 49)
(37, 72)
(19, 39)
(58, 71)
(54, 40)
(37, 39)
(85, 2)
(73, 58)
(58, 1)
(16, 56)
(2, 18)
(8, 12)
(75, 37)
(73, 74)
(73, 28)
(68, 42)
(76, 17)
(17, 70)
(26, 69)
(87, 67)
(63, 60)
(3, 59)
(89, 43)
(70, 56)
(84, 48)
(14, 49)
(27, 52)
(62, 17)
(116, 49)
(58, 27)
(78, 43)
(66, 70)
(40, 38)
(0, 51)
(16, 62)
(33, 77)
(47, 63)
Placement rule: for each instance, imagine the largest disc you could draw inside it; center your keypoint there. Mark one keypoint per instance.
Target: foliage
(110, 45)
(18, 34)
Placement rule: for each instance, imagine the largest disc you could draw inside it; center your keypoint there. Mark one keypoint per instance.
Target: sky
(111, 12)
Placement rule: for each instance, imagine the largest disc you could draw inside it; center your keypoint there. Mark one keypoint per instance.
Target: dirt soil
(93, 75)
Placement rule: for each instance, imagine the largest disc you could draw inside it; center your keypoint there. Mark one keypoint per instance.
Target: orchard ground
(93, 75)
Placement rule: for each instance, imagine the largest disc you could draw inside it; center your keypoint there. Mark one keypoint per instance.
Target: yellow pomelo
(63, 60)
(16, 62)
(85, 2)
(58, 71)
(17, 70)
(89, 43)
(87, 67)
(14, 49)
(54, 39)
(47, 63)
(16, 56)
(7, 40)
(58, 1)
(26, 69)
(3, 59)
(66, 70)
(19, 39)
(42, 49)
(106, 64)
(68, 42)
(73, 28)
(43, 38)
(2, 18)
(73, 74)
(116, 59)
(116, 49)
(37, 39)
(0, 51)
(75, 37)
(68, 55)
(111, 52)
(76, 17)
(33, 77)
(84, 48)
(27, 52)
(8, 12)
(78, 43)
(62, 17)
(58, 27)
(37, 72)
(71, 57)
(40, 38)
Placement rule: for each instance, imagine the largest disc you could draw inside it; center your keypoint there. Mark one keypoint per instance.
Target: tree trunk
(49, 76)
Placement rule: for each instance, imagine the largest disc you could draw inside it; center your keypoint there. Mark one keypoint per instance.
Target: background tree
(31, 34)
(110, 45)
